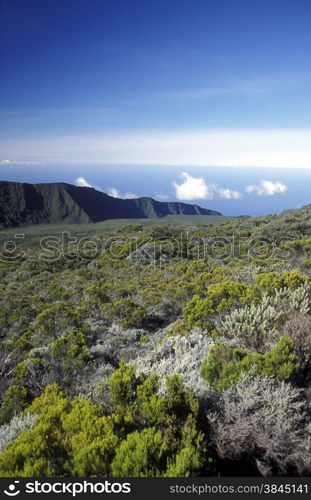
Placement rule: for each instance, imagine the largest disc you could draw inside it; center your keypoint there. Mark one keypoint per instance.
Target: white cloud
(192, 188)
(129, 196)
(115, 193)
(82, 182)
(228, 194)
(7, 162)
(215, 147)
(267, 188)
(195, 188)
(19, 162)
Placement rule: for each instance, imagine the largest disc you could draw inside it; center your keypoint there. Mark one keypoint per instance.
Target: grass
(31, 234)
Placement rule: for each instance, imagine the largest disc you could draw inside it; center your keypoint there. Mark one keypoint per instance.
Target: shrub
(300, 299)
(9, 432)
(143, 434)
(270, 282)
(220, 297)
(39, 451)
(258, 324)
(70, 349)
(197, 312)
(298, 328)
(124, 311)
(67, 438)
(280, 361)
(262, 428)
(182, 355)
(226, 295)
(191, 458)
(225, 365)
(15, 400)
(141, 454)
(122, 386)
(91, 439)
(253, 324)
(307, 264)
(54, 319)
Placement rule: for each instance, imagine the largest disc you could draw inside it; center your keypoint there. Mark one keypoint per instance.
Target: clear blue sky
(133, 64)
(177, 82)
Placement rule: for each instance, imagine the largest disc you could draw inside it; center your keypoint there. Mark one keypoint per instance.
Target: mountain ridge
(56, 202)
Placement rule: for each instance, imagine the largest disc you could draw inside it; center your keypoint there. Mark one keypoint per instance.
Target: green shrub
(41, 450)
(15, 400)
(125, 312)
(307, 264)
(280, 361)
(220, 297)
(225, 365)
(90, 438)
(141, 454)
(270, 282)
(191, 458)
(142, 436)
(122, 386)
(71, 346)
(197, 312)
(18, 395)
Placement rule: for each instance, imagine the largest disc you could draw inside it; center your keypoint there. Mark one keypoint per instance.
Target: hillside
(52, 203)
(162, 354)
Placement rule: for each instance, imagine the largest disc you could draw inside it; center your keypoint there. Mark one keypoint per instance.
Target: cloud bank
(195, 188)
(215, 147)
(267, 188)
(115, 193)
(82, 182)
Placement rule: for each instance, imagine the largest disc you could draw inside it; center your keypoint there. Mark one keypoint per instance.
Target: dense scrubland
(157, 351)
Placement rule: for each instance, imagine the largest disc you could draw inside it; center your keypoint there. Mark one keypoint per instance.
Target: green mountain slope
(26, 204)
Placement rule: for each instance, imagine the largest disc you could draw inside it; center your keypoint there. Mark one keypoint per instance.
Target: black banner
(163, 488)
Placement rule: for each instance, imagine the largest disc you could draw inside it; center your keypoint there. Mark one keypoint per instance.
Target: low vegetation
(161, 351)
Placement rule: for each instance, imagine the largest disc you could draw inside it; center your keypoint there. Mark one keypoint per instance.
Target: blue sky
(189, 86)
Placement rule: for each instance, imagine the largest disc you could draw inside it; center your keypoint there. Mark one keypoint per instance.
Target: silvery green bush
(300, 299)
(9, 432)
(259, 324)
(180, 354)
(253, 323)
